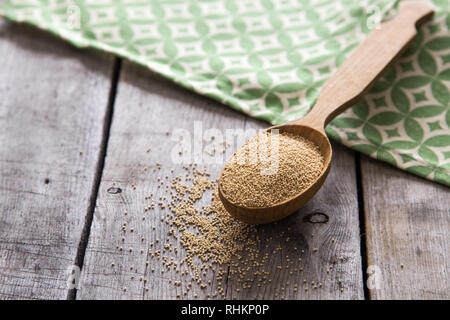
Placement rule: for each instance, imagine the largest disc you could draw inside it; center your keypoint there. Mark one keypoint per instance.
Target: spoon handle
(366, 64)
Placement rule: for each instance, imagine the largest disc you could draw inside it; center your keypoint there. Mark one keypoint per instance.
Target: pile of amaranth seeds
(247, 181)
(205, 249)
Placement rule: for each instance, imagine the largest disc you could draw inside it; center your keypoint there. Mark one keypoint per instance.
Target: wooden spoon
(347, 86)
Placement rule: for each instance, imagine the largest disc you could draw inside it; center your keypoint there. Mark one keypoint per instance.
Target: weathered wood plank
(335, 265)
(408, 243)
(146, 112)
(52, 108)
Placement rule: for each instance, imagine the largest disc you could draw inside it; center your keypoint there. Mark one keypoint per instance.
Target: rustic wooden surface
(337, 241)
(52, 106)
(407, 223)
(146, 109)
(55, 103)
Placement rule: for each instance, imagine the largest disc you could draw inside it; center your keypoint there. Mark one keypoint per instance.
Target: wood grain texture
(408, 243)
(52, 106)
(146, 112)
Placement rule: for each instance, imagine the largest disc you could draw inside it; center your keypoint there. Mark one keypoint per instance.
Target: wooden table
(73, 122)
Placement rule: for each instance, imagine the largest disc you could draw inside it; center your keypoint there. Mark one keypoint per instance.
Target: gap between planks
(53, 103)
(81, 251)
(408, 243)
(362, 224)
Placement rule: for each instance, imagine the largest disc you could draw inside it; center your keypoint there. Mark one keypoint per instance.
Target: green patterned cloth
(269, 59)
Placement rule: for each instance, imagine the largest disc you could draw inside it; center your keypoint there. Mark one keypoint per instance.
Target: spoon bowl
(278, 211)
(346, 87)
